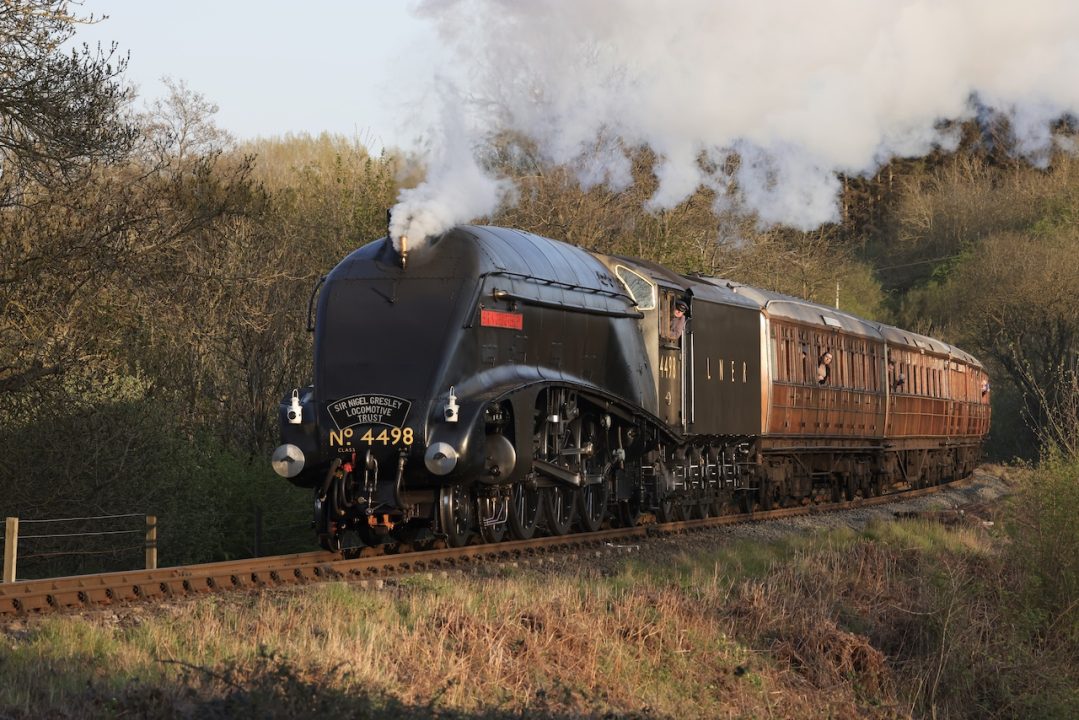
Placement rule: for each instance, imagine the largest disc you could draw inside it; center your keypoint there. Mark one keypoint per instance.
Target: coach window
(871, 369)
(785, 359)
(639, 288)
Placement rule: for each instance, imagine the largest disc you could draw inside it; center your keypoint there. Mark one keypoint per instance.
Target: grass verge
(904, 619)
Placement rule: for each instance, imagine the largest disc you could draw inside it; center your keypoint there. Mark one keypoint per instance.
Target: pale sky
(274, 67)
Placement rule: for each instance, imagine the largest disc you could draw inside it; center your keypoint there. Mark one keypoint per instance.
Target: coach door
(671, 361)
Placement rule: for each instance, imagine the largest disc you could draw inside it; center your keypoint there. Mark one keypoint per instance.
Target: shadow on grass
(271, 688)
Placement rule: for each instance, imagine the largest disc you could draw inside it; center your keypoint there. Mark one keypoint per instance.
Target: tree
(1007, 286)
(180, 127)
(59, 112)
(61, 116)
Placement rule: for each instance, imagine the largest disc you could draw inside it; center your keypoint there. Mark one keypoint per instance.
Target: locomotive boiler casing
(480, 318)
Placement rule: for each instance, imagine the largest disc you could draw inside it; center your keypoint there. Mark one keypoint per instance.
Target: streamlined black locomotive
(493, 382)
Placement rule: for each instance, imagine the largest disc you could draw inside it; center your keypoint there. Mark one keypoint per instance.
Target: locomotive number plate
(365, 413)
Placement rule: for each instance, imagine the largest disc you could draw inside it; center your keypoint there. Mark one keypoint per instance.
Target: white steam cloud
(798, 90)
(456, 188)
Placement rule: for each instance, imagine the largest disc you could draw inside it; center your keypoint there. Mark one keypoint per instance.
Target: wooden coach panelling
(935, 395)
(849, 404)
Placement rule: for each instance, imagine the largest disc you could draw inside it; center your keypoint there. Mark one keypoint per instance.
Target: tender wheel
(767, 495)
(722, 503)
(665, 510)
(704, 506)
(592, 506)
(684, 509)
(525, 506)
(559, 508)
(745, 500)
(456, 514)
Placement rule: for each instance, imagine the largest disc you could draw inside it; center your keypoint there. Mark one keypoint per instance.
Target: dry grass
(841, 625)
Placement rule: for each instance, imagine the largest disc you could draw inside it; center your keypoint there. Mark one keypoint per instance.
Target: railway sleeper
(153, 590)
(97, 596)
(124, 592)
(65, 598)
(199, 584)
(31, 603)
(176, 586)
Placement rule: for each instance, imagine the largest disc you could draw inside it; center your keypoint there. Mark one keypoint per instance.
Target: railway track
(89, 591)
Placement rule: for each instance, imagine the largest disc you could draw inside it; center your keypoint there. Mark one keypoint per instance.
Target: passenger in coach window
(824, 367)
(678, 322)
(897, 380)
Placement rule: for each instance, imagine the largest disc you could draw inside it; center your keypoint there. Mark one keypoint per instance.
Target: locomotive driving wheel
(592, 496)
(558, 442)
(455, 513)
(665, 509)
(592, 505)
(560, 505)
(524, 510)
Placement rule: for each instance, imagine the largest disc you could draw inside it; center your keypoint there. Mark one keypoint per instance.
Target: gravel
(972, 501)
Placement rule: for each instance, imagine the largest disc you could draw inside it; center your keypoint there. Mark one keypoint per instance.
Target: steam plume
(800, 91)
(456, 188)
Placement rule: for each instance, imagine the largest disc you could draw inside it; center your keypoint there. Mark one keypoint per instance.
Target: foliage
(102, 447)
(1008, 288)
(155, 276)
(60, 113)
(1045, 547)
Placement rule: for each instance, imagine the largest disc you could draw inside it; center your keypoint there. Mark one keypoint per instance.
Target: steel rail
(88, 591)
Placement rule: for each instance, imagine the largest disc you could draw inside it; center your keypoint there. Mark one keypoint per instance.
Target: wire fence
(281, 531)
(44, 547)
(51, 547)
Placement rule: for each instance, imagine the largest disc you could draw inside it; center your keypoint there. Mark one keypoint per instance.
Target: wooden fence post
(151, 542)
(11, 548)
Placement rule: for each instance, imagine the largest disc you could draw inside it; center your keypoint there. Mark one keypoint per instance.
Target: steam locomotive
(495, 383)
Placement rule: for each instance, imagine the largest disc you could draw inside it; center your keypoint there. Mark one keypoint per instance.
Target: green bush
(118, 451)
(1044, 549)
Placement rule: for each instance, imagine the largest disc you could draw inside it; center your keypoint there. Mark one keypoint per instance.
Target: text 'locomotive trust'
(369, 410)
